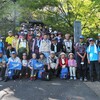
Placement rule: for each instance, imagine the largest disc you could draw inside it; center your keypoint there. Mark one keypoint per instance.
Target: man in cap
(3, 61)
(80, 49)
(59, 38)
(12, 59)
(10, 38)
(93, 59)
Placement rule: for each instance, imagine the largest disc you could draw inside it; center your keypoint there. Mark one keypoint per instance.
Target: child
(72, 66)
(24, 65)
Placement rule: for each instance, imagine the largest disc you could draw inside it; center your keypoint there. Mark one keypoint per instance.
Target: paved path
(47, 90)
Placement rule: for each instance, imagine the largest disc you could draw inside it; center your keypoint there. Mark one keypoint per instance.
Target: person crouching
(52, 64)
(31, 66)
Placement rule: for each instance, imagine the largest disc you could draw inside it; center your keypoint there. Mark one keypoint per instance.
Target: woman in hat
(63, 61)
(72, 66)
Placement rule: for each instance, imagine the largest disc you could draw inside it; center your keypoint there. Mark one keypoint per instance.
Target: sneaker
(71, 78)
(26, 76)
(85, 79)
(6, 79)
(92, 79)
(20, 76)
(1, 79)
(31, 78)
(74, 77)
(81, 79)
(34, 77)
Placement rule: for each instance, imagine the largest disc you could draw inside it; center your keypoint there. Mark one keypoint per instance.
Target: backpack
(64, 73)
(46, 76)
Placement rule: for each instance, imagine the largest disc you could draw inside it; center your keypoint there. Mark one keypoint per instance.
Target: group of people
(53, 51)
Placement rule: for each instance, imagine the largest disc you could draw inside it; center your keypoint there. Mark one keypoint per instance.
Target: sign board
(77, 30)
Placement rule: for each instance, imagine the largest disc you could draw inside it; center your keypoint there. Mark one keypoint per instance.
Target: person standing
(10, 38)
(68, 44)
(14, 42)
(36, 45)
(97, 41)
(3, 62)
(45, 46)
(22, 46)
(2, 46)
(9, 50)
(59, 38)
(80, 49)
(56, 47)
(30, 44)
(93, 60)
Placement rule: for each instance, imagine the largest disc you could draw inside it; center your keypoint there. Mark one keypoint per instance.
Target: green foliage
(58, 14)
(61, 14)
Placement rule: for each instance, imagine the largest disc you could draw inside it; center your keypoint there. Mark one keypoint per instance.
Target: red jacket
(66, 62)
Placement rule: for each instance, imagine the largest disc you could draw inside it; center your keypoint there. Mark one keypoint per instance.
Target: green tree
(60, 14)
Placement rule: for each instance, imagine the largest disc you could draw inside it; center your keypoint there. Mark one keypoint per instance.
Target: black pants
(54, 72)
(94, 65)
(24, 71)
(2, 72)
(82, 69)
